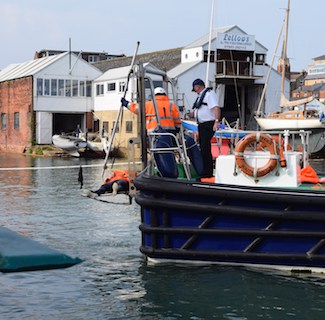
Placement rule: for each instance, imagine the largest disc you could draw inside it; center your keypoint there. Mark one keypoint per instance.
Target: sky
(115, 26)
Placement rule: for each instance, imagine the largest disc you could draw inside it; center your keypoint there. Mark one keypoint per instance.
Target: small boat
(264, 207)
(84, 145)
(69, 143)
(294, 115)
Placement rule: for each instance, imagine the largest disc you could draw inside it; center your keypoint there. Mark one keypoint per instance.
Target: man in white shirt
(207, 113)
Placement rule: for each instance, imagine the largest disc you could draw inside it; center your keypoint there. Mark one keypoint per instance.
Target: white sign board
(231, 41)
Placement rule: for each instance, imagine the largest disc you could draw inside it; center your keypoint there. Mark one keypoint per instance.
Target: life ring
(266, 142)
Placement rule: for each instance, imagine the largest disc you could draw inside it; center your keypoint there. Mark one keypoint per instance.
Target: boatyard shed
(236, 66)
(45, 96)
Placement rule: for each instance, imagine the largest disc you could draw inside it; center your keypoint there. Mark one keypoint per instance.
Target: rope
(60, 167)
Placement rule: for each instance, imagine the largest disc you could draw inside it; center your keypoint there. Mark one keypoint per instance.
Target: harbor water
(45, 204)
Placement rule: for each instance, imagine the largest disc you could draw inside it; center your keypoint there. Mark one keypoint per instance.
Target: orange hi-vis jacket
(168, 113)
(118, 175)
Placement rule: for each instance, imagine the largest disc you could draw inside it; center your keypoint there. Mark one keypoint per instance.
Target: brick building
(17, 117)
(45, 96)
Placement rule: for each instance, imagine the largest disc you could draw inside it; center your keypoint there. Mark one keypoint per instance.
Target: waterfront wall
(16, 109)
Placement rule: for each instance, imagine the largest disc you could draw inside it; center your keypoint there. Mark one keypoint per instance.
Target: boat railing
(175, 146)
(292, 140)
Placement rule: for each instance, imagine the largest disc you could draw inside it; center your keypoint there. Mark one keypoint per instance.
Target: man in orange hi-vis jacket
(168, 112)
(117, 182)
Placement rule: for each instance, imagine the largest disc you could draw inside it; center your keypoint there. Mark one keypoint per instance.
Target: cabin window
(16, 120)
(111, 86)
(61, 87)
(129, 127)
(39, 87)
(3, 121)
(54, 87)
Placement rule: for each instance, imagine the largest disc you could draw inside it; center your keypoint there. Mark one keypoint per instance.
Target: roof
(312, 88)
(122, 72)
(315, 76)
(163, 60)
(28, 68)
(181, 68)
(320, 58)
(205, 39)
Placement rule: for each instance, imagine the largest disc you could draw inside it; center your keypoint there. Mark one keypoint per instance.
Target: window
(260, 58)
(129, 127)
(105, 126)
(3, 121)
(88, 88)
(93, 58)
(121, 86)
(16, 120)
(39, 87)
(75, 88)
(46, 87)
(82, 89)
(54, 87)
(61, 87)
(111, 86)
(99, 89)
(212, 56)
(68, 88)
(117, 127)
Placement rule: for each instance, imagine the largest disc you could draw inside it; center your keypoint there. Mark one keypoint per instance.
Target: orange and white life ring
(266, 142)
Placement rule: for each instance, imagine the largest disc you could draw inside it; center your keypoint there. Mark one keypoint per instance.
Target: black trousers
(123, 185)
(205, 135)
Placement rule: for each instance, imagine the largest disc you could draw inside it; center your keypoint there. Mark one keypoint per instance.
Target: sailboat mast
(284, 56)
(209, 48)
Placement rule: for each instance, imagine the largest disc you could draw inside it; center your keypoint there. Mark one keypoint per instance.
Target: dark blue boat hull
(188, 220)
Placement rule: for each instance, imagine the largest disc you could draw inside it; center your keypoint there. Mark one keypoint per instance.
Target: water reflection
(229, 293)
(114, 282)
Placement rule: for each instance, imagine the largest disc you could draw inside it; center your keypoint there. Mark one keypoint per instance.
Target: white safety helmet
(160, 90)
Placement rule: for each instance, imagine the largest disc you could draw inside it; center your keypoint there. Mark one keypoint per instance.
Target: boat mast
(284, 57)
(209, 47)
(259, 108)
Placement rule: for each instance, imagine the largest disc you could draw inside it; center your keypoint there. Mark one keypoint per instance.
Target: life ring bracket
(266, 142)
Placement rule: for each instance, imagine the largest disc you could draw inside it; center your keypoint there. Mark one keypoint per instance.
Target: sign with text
(231, 41)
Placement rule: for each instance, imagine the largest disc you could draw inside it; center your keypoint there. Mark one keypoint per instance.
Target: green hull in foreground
(18, 253)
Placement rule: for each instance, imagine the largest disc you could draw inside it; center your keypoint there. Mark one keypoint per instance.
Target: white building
(237, 61)
(61, 94)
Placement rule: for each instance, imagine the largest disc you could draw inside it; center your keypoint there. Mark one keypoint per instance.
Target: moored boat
(296, 114)
(263, 208)
(69, 143)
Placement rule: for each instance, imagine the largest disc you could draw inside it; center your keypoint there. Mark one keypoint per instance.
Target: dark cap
(198, 82)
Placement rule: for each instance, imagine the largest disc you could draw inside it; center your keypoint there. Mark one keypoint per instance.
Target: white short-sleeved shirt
(205, 112)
